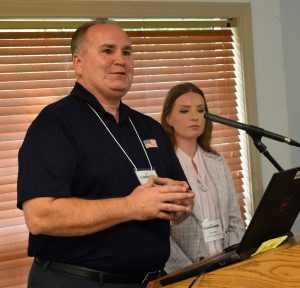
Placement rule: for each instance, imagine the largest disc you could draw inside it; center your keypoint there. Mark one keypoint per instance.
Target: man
(95, 176)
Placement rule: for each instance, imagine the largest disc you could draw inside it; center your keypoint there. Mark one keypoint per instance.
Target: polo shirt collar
(81, 93)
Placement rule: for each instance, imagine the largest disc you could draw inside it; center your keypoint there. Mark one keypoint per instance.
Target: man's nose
(119, 58)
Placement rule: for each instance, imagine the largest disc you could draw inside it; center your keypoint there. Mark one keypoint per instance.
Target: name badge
(212, 230)
(143, 175)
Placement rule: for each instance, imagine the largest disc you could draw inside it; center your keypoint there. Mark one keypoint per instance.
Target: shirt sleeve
(47, 160)
(174, 166)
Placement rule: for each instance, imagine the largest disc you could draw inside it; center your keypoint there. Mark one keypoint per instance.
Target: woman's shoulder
(210, 155)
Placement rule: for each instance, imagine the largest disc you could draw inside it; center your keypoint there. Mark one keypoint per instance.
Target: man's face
(104, 64)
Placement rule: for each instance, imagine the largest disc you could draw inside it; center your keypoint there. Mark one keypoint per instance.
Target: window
(36, 70)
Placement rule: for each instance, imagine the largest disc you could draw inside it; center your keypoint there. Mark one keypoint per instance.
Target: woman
(216, 221)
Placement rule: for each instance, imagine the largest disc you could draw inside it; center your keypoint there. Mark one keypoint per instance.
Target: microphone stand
(262, 148)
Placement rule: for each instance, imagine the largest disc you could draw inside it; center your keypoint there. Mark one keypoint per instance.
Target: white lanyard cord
(137, 134)
(118, 141)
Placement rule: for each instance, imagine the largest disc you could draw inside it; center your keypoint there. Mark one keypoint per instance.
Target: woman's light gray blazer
(187, 236)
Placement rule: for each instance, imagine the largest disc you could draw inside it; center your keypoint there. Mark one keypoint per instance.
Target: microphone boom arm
(253, 130)
(255, 133)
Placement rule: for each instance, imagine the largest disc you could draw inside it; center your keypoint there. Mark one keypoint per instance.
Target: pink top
(205, 194)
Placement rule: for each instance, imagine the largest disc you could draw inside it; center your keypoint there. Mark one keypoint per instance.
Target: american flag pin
(150, 143)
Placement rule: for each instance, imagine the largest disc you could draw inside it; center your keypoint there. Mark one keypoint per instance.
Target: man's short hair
(81, 31)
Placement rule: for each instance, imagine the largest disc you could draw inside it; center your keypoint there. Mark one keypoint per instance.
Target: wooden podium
(277, 268)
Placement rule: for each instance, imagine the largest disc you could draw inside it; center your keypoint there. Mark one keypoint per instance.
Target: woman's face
(187, 117)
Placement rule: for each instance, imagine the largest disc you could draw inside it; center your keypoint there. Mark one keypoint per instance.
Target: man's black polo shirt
(67, 152)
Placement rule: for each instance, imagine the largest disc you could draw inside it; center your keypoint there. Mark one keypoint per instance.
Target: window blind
(36, 70)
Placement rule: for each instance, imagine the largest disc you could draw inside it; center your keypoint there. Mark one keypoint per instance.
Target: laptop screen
(276, 211)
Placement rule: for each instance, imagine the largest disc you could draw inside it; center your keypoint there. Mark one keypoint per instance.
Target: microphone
(250, 129)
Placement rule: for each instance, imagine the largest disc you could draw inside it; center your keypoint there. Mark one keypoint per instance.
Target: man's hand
(162, 198)
(189, 203)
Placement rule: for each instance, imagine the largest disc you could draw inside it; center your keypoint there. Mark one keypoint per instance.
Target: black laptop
(274, 217)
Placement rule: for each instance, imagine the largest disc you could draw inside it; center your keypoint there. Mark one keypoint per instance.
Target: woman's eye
(183, 111)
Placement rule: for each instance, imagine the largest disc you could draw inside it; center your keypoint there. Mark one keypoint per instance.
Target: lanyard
(118, 141)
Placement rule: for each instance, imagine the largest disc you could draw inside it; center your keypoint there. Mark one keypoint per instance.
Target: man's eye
(201, 110)
(127, 53)
(183, 111)
(107, 51)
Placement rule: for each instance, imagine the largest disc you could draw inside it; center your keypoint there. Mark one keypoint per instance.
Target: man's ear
(77, 63)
